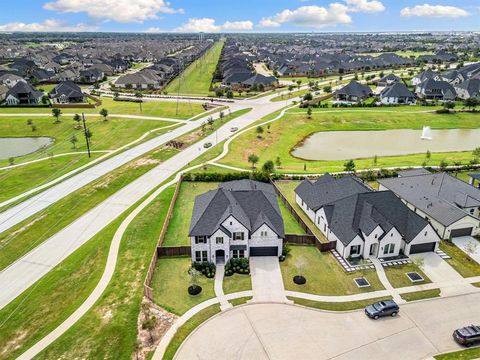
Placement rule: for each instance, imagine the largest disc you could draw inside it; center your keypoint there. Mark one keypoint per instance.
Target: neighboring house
(397, 93)
(364, 223)
(239, 219)
(451, 205)
(67, 92)
(91, 76)
(388, 80)
(425, 75)
(259, 79)
(436, 90)
(10, 80)
(23, 93)
(473, 178)
(353, 91)
(143, 79)
(467, 89)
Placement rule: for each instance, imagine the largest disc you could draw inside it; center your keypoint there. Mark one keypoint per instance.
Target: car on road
(233, 129)
(207, 145)
(468, 335)
(382, 308)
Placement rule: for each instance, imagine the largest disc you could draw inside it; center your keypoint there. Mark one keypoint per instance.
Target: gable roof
(397, 90)
(439, 195)
(67, 88)
(250, 202)
(354, 88)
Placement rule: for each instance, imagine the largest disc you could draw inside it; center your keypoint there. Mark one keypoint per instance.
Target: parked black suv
(468, 335)
(382, 308)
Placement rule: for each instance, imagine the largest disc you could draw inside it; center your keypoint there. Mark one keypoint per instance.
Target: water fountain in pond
(426, 133)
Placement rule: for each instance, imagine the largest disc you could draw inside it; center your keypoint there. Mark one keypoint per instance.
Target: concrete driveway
(464, 241)
(267, 281)
(279, 331)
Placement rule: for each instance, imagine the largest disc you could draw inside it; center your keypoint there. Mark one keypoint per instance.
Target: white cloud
(427, 10)
(208, 25)
(365, 6)
(49, 25)
(123, 11)
(310, 16)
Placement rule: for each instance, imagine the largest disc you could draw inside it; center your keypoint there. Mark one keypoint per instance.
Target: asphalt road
(277, 331)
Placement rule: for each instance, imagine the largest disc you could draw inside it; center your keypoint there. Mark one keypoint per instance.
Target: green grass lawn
(236, 283)
(167, 109)
(240, 301)
(177, 232)
(287, 132)
(469, 354)
(69, 284)
(187, 328)
(461, 262)
(340, 306)
(197, 78)
(291, 225)
(324, 274)
(290, 95)
(287, 188)
(109, 329)
(397, 278)
(420, 295)
(171, 281)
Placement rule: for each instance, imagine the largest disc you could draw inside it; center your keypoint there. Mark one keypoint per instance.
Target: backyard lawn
(197, 78)
(324, 274)
(171, 281)
(285, 134)
(291, 225)
(464, 264)
(397, 275)
(236, 283)
(177, 232)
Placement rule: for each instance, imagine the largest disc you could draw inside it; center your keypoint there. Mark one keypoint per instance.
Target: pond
(18, 146)
(342, 145)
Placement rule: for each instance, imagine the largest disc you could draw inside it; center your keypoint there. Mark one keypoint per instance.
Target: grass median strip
(337, 306)
(420, 295)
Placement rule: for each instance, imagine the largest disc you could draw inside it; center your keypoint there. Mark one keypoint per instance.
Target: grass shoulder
(421, 295)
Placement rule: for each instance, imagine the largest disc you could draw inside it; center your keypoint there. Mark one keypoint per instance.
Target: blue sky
(239, 15)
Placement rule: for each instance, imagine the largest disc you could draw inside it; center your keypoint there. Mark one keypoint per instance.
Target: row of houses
(409, 214)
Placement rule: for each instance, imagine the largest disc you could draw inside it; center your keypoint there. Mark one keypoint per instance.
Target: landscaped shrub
(237, 265)
(285, 252)
(223, 177)
(206, 268)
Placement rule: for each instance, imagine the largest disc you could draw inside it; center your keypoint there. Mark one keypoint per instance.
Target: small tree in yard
(221, 115)
(77, 118)
(309, 112)
(56, 114)
(11, 161)
(349, 166)
(476, 153)
(104, 113)
(471, 249)
(375, 160)
(259, 131)
(419, 261)
(449, 105)
(278, 162)
(471, 103)
(327, 89)
(253, 159)
(194, 275)
(299, 82)
(268, 167)
(308, 97)
(29, 122)
(149, 325)
(89, 135)
(74, 140)
(428, 155)
(139, 96)
(300, 265)
(443, 165)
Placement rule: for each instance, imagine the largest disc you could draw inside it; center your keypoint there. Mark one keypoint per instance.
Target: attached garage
(461, 232)
(264, 251)
(421, 248)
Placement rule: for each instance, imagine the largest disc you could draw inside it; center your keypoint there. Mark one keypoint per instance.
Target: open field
(109, 329)
(324, 274)
(197, 78)
(171, 281)
(167, 109)
(283, 135)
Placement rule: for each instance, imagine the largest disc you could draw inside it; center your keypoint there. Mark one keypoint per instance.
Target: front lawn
(236, 283)
(324, 274)
(397, 275)
(469, 354)
(461, 262)
(337, 306)
(177, 232)
(420, 295)
(171, 281)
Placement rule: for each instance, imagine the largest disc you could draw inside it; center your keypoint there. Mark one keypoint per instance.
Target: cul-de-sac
(289, 179)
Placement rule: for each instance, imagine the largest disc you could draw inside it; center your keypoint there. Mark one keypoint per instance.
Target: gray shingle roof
(250, 202)
(397, 90)
(354, 88)
(438, 195)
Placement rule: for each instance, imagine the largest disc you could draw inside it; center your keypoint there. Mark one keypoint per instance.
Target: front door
(220, 257)
(373, 250)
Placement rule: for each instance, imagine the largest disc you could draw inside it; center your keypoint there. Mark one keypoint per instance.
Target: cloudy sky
(239, 15)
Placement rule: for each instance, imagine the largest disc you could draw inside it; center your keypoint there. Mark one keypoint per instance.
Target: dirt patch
(149, 337)
(6, 240)
(14, 344)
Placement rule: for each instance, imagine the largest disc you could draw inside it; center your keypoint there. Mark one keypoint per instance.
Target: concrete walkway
(219, 274)
(384, 280)
(466, 242)
(267, 281)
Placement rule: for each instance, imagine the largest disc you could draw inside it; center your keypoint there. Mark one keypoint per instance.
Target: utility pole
(85, 131)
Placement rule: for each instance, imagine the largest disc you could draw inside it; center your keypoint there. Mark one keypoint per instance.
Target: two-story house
(239, 219)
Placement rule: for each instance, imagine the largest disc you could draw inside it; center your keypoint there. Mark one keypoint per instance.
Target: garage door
(421, 248)
(264, 251)
(461, 232)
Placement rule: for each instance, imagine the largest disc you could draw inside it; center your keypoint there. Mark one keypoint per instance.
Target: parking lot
(276, 331)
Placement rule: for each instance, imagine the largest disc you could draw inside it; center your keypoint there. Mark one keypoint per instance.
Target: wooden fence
(147, 290)
(309, 238)
(171, 251)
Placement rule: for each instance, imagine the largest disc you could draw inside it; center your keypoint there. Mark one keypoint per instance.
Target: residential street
(276, 331)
